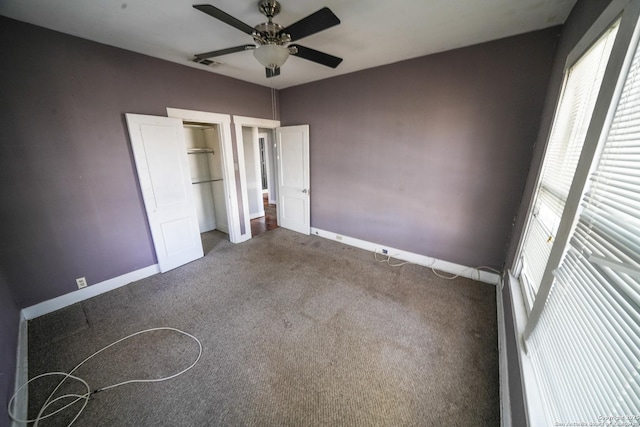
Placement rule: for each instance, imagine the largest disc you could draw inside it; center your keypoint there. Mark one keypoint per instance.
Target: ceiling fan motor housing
(270, 32)
(269, 8)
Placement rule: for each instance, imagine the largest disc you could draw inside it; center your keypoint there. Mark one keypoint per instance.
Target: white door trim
(253, 146)
(256, 122)
(244, 193)
(228, 170)
(268, 148)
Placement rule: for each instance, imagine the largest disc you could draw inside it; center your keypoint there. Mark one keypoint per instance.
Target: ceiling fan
(272, 39)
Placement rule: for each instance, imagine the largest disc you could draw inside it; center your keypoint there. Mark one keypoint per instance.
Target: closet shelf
(199, 151)
(207, 180)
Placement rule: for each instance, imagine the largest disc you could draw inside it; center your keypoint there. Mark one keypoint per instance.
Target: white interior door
(161, 160)
(292, 146)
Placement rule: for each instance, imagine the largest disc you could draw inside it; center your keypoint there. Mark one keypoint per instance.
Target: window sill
(530, 390)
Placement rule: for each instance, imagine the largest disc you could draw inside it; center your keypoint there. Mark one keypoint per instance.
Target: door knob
(305, 191)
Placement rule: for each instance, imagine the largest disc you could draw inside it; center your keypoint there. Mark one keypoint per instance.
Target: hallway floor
(266, 223)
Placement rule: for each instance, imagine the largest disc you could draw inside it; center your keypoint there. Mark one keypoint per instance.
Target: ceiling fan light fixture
(271, 55)
(271, 40)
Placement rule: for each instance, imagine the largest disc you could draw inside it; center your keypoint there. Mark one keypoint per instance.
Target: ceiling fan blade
(224, 17)
(224, 51)
(314, 23)
(316, 56)
(272, 72)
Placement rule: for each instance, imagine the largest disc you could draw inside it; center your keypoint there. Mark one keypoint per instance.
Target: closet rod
(207, 180)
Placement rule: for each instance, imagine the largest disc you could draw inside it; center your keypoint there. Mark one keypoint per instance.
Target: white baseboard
(222, 227)
(444, 266)
(209, 226)
(505, 399)
(66, 300)
(21, 403)
(258, 214)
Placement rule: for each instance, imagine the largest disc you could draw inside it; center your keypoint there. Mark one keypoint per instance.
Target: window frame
(622, 55)
(627, 11)
(582, 83)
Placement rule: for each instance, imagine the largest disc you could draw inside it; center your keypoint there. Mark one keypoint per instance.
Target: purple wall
(9, 320)
(428, 155)
(70, 204)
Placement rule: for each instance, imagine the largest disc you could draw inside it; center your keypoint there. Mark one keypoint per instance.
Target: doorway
(290, 162)
(258, 151)
(257, 168)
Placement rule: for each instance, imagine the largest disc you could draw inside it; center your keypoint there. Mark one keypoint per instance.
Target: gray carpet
(297, 331)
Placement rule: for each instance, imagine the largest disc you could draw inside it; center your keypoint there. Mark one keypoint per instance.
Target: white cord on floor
(477, 269)
(388, 260)
(86, 396)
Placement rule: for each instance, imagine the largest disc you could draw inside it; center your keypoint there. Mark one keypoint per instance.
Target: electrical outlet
(385, 252)
(81, 282)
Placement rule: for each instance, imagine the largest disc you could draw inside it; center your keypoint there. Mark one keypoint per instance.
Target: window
(579, 258)
(568, 132)
(596, 290)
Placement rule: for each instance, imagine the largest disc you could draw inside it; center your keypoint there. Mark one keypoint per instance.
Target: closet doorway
(221, 123)
(202, 141)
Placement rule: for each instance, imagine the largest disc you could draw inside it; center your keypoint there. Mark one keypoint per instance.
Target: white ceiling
(372, 32)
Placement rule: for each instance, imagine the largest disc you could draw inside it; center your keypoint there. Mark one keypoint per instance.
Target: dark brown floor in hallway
(268, 222)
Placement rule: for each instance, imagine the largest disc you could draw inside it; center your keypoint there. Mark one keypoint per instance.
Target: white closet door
(294, 203)
(161, 160)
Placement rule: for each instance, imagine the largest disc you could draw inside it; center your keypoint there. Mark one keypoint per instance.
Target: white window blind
(566, 139)
(585, 348)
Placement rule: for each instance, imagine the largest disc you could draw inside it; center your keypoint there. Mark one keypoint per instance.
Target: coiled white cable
(86, 396)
